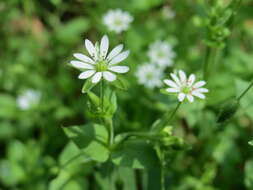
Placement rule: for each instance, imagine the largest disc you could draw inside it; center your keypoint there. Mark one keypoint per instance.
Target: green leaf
(251, 142)
(91, 139)
(135, 154)
(87, 86)
(71, 157)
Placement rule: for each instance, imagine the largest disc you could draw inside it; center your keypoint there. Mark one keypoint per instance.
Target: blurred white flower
(161, 53)
(168, 13)
(149, 75)
(185, 87)
(100, 65)
(117, 20)
(28, 99)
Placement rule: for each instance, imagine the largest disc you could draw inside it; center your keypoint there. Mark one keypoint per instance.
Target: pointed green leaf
(91, 139)
(136, 154)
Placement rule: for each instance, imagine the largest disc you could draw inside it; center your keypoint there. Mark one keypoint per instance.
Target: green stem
(166, 118)
(111, 132)
(173, 113)
(102, 95)
(245, 91)
(211, 54)
(162, 176)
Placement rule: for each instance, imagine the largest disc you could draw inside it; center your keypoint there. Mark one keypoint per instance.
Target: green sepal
(88, 85)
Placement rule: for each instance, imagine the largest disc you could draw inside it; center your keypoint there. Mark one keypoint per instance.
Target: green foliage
(91, 139)
(135, 154)
(38, 39)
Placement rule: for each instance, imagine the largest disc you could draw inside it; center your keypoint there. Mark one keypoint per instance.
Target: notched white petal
(120, 57)
(191, 79)
(170, 83)
(190, 98)
(86, 74)
(181, 97)
(104, 46)
(175, 78)
(182, 76)
(90, 48)
(119, 69)
(172, 90)
(83, 58)
(199, 95)
(81, 65)
(199, 84)
(115, 51)
(96, 78)
(109, 76)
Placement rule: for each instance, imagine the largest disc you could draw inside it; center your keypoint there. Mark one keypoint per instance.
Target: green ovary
(101, 66)
(186, 89)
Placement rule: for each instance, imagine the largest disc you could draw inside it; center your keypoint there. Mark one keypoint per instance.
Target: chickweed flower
(149, 75)
(100, 65)
(168, 13)
(185, 87)
(28, 99)
(161, 53)
(117, 20)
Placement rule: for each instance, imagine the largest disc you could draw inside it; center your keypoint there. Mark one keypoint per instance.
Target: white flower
(117, 20)
(168, 13)
(100, 65)
(186, 87)
(28, 99)
(149, 75)
(161, 53)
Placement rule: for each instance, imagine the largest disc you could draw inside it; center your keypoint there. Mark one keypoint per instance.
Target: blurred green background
(38, 38)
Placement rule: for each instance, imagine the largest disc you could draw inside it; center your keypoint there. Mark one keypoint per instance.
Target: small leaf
(251, 142)
(91, 139)
(136, 154)
(87, 86)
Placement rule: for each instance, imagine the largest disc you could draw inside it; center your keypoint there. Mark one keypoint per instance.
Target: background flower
(161, 53)
(149, 75)
(117, 20)
(28, 99)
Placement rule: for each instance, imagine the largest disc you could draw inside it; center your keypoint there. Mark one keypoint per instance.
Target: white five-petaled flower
(117, 20)
(185, 87)
(100, 65)
(149, 75)
(28, 98)
(161, 53)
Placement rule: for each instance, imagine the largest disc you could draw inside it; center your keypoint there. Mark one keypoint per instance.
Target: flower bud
(228, 110)
(251, 142)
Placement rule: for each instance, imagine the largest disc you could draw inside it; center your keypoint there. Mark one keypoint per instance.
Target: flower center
(101, 66)
(186, 90)
(118, 22)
